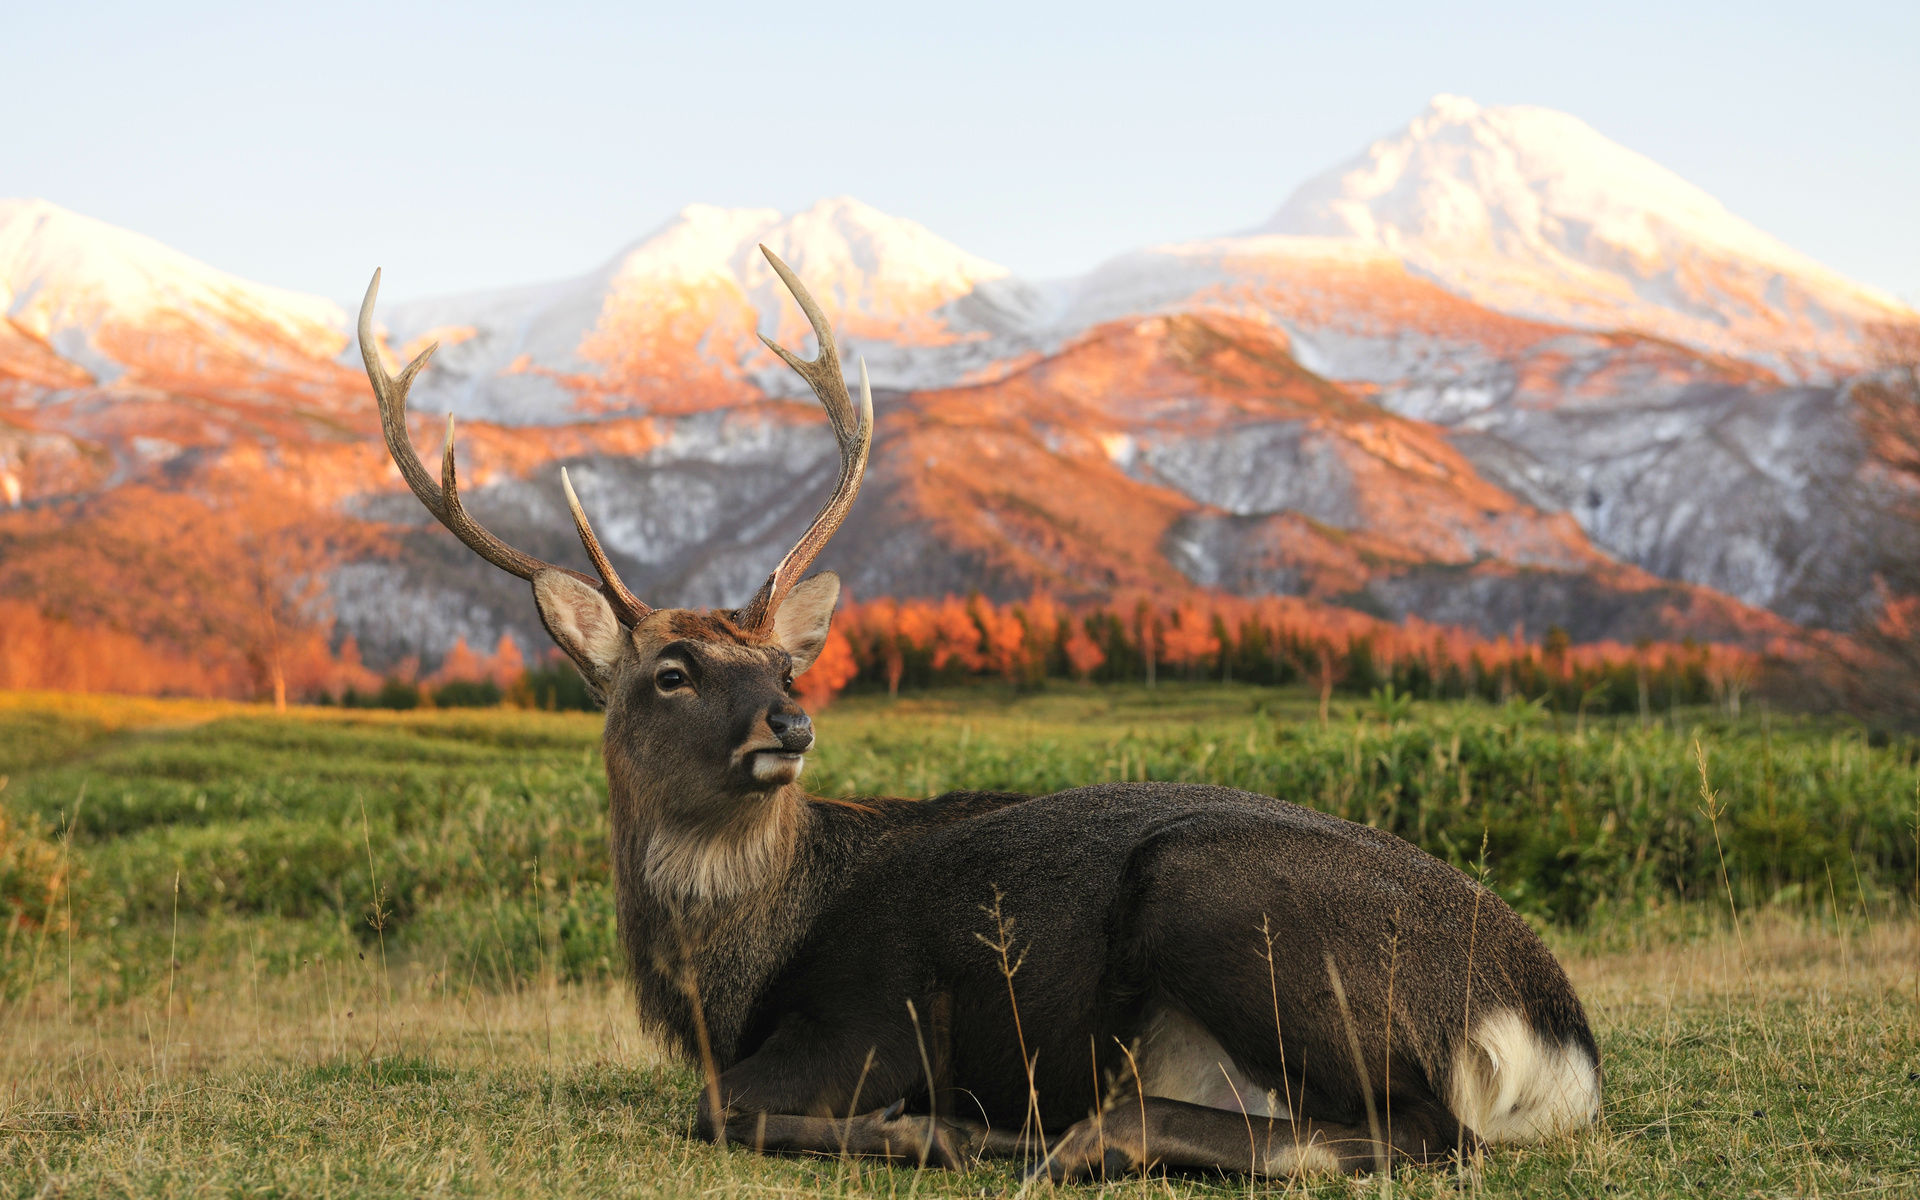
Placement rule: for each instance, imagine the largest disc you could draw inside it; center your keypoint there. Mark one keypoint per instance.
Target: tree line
(896, 646)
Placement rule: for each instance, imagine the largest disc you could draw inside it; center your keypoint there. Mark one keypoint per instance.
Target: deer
(1114, 978)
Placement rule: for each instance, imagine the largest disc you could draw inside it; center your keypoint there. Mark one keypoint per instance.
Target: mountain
(121, 307)
(1145, 457)
(122, 359)
(1605, 409)
(1595, 334)
(1418, 264)
(1530, 211)
(668, 324)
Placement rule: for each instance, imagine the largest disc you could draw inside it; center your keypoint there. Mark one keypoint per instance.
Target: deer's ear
(805, 616)
(580, 620)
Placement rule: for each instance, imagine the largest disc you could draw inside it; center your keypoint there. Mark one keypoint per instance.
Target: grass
(193, 997)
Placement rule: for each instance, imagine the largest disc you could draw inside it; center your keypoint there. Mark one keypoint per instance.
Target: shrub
(468, 693)
(394, 693)
(555, 688)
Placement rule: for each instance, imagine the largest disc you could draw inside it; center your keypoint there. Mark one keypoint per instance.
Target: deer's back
(1115, 899)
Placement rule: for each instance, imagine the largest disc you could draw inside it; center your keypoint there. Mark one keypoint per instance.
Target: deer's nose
(791, 724)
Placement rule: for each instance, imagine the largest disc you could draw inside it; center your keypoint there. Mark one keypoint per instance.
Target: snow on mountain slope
(28, 364)
(669, 323)
(1353, 311)
(1533, 212)
(114, 303)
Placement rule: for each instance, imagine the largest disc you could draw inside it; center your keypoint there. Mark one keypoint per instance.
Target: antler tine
(823, 372)
(392, 397)
(627, 605)
(443, 499)
(852, 428)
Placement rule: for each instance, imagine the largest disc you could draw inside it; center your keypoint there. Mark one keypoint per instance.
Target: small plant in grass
(35, 897)
(1388, 706)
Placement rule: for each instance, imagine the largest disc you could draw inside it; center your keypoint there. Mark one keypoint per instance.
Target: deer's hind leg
(1190, 1105)
(1138, 1134)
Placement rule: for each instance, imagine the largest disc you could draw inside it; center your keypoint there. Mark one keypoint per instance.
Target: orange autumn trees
(1188, 639)
(832, 671)
(899, 644)
(154, 591)
(148, 590)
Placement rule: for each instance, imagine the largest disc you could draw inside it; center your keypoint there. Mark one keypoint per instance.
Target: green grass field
(367, 953)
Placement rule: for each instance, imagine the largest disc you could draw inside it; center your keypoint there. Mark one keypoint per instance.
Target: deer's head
(698, 712)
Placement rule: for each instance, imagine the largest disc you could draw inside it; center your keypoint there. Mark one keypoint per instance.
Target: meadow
(367, 953)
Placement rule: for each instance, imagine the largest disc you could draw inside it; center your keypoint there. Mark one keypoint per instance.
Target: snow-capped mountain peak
(700, 241)
(1535, 212)
(676, 312)
(1473, 179)
(87, 287)
(841, 231)
(854, 257)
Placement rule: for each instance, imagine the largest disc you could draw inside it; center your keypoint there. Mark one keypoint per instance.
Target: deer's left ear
(801, 624)
(583, 624)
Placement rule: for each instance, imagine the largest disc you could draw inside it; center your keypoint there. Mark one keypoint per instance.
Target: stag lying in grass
(1103, 979)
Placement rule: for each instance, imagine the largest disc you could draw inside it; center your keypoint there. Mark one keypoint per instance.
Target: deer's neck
(690, 848)
(692, 863)
(708, 907)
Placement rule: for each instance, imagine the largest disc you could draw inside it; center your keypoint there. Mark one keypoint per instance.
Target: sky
(484, 145)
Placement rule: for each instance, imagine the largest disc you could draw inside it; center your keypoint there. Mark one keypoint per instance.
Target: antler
(443, 499)
(852, 429)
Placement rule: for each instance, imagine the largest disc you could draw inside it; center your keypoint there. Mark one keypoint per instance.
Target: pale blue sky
(481, 145)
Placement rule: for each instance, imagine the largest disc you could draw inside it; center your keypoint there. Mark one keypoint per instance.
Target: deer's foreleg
(891, 1133)
(815, 1090)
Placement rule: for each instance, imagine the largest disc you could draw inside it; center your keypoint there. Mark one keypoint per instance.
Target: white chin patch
(777, 768)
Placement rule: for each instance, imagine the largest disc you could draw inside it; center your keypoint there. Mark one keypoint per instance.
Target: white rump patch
(1510, 1085)
(1179, 1060)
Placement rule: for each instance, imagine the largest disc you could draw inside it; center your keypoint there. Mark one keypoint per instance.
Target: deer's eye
(786, 681)
(670, 680)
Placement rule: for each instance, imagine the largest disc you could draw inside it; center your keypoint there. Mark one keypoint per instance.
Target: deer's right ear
(580, 620)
